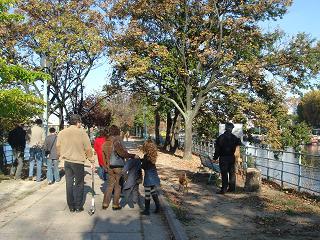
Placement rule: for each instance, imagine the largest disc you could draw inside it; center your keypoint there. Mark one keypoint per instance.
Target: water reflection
(311, 156)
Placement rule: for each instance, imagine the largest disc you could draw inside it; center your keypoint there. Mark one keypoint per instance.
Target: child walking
(151, 178)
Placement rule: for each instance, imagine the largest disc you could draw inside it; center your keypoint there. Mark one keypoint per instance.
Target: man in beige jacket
(73, 148)
(36, 140)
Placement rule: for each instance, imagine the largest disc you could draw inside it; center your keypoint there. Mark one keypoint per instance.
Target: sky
(302, 16)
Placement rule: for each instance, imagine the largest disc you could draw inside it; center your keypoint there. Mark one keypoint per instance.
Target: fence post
(255, 156)
(281, 172)
(299, 177)
(268, 160)
(246, 157)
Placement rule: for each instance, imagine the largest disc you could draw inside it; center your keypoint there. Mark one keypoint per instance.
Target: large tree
(16, 105)
(70, 34)
(213, 51)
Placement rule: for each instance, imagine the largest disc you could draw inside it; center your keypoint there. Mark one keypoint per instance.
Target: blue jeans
(53, 170)
(102, 173)
(35, 155)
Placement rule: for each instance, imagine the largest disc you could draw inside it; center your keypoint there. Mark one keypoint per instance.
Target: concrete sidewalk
(43, 214)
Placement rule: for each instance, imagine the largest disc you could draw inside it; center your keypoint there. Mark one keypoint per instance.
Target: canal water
(289, 168)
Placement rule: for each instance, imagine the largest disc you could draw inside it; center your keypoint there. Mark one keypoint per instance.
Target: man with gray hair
(225, 148)
(74, 147)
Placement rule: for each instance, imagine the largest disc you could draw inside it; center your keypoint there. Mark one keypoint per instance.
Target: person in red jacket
(97, 145)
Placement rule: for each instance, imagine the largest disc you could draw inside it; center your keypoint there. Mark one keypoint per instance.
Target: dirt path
(269, 214)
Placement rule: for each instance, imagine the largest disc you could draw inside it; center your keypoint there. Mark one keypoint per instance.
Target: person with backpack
(114, 155)
(50, 151)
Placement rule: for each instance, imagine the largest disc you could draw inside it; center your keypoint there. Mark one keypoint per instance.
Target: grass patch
(181, 213)
(269, 221)
(290, 212)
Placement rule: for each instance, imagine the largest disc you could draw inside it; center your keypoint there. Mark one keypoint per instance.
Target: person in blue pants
(36, 140)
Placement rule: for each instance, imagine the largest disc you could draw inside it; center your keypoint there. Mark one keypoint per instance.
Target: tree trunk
(168, 131)
(157, 125)
(174, 138)
(141, 132)
(187, 155)
(61, 118)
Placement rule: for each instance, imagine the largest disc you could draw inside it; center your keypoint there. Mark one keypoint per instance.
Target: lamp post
(44, 65)
(144, 122)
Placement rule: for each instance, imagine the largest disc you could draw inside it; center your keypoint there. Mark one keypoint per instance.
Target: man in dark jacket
(225, 148)
(17, 141)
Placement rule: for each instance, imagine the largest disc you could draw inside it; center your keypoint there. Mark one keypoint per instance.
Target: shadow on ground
(206, 215)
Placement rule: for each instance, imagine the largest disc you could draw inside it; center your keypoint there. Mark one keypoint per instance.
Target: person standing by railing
(17, 141)
(225, 148)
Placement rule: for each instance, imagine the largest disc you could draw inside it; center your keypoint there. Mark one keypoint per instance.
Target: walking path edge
(174, 224)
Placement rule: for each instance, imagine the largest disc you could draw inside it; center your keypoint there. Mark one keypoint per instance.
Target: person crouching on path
(50, 150)
(151, 178)
(74, 147)
(114, 153)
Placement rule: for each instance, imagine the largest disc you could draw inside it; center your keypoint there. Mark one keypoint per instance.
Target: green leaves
(10, 73)
(5, 16)
(17, 107)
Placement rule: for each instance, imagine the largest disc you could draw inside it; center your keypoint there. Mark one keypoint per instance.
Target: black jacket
(226, 145)
(17, 138)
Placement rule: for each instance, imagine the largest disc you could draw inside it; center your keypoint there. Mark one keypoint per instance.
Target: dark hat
(229, 126)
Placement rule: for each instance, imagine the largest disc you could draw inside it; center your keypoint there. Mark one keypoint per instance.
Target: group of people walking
(73, 146)
(118, 163)
(35, 137)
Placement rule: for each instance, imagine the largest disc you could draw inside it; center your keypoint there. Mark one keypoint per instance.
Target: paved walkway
(43, 214)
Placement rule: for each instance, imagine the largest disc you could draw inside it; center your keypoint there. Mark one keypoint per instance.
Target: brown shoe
(116, 207)
(104, 207)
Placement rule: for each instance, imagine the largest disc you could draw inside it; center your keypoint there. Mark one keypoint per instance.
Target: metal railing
(8, 155)
(287, 168)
